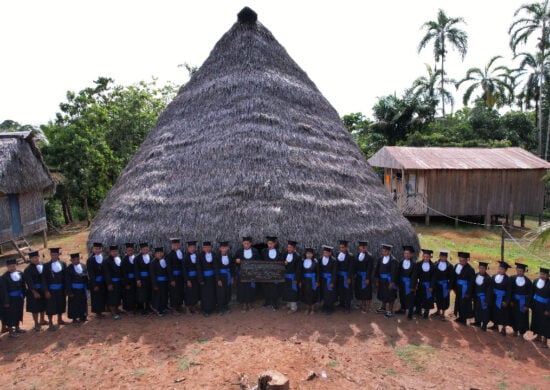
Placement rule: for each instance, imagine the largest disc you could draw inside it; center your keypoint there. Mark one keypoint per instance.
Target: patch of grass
(547, 377)
(502, 385)
(415, 355)
(202, 341)
(60, 345)
(185, 364)
(196, 351)
(332, 363)
(391, 372)
(138, 372)
(528, 388)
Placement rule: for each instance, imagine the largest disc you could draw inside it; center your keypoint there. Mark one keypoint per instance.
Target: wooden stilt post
(456, 220)
(488, 217)
(511, 215)
(522, 219)
(502, 244)
(45, 238)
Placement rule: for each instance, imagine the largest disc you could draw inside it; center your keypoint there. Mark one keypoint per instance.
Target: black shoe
(460, 321)
(400, 311)
(476, 324)
(484, 328)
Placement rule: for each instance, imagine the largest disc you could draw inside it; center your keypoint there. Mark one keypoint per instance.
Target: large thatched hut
(250, 147)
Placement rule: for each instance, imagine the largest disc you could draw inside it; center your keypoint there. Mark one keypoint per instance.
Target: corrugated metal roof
(405, 157)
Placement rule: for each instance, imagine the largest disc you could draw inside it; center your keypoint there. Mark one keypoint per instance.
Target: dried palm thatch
(250, 147)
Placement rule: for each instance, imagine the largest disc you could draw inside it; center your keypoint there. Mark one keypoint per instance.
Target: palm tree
(444, 32)
(493, 81)
(530, 66)
(427, 86)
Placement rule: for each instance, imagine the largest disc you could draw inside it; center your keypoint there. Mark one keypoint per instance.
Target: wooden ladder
(22, 247)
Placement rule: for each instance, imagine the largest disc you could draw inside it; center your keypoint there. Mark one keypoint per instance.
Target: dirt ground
(228, 352)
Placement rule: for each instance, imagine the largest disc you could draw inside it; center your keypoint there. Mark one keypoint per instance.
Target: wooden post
(511, 215)
(540, 219)
(427, 218)
(488, 217)
(502, 244)
(45, 238)
(522, 219)
(456, 220)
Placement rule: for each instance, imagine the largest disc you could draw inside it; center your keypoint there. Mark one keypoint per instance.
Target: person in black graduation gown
(363, 269)
(292, 262)
(309, 282)
(424, 292)
(36, 303)
(76, 281)
(175, 261)
(271, 290)
(207, 279)
(13, 298)
(407, 281)
(190, 277)
(224, 268)
(328, 271)
(540, 306)
(246, 291)
(113, 280)
(463, 287)
(521, 289)
(500, 298)
(53, 285)
(96, 276)
(344, 276)
(159, 271)
(129, 294)
(482, 296)
(443, 279)
(143, 279)
(386, 272)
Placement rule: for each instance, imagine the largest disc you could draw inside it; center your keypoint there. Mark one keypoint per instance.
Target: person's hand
(332, 285)
(504, 304)
(348, 282)
(173, 283)
(220, 284)
(138, 283)
(7, 305)
(525, 308)
(238, 261)
(189, 284)
(547, 313)
(390, 286)
(96, 288)
(286, 262)
(431, 290)
(48, 295)
(70, 295)
(128, 287)
(317, 284)
(202, 283)
(110, 287)
(35, 294)
(232, 281)
(367, 282)
(155, 288)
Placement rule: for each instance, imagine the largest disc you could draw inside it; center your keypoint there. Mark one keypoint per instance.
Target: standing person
(407, 282)
(96, 276)
(345, 273)
(463, 287)
(540, 305)
(129, 294)
(36, 303)
(143, 279)
(363, 268)
(13, 298)
(521, 289)
(159, 271)
(500, 298)
(190, 277)
(271, 290)
(292, 277)
(443, 279)
(482, 296)
(246, 291)
(175, 262)
(76, 281)
(328, 270)
(113, 280)
(207, 279)
(53, 285)
(424, 295)
(224, 268)
(309, 282)
(386, 272)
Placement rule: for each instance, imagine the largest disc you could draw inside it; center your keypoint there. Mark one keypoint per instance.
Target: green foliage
(360, 128)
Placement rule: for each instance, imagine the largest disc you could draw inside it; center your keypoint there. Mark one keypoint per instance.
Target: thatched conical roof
(250, 147)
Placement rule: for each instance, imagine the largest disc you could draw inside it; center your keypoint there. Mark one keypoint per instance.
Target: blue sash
(464, 286)
(387, 277)
(481, 296)
(328, 277)
(407, 282)
(445, 286)
(37, 286)
(131, 276)
(207, 273)
(344, 274)
(55, 286)
(78, 286)
(162, 278)
(500, 295)
(521, 298)
(176, 272)
(99, 278)
(144, 274)
(192, 273)
(540, 299)
(311, 275)
(16, 293)
(427, 287)
(228, 273)
(292, 284)
(363, 275)
(114, 280)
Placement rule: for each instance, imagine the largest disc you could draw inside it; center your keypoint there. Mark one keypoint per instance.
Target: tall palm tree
(444, 32)
(427, 86)
(493, 81)
(533, 19)
(530, 66)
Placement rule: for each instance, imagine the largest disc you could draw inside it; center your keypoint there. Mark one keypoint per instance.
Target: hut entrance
(15, 213)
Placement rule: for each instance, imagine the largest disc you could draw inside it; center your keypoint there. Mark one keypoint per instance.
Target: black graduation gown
(14, 296)
(520, 301)
(77, 302)
(362, 275)
(33, 280)
(309, 278)
(292, 277)
(176, 277)
(207, 281)
(54, 282)
(113, 276)
(424, 298)
(500, 301)
(483, 294)
(224, 269)
(442, 282)
(407, 284)
(344, 272)
(272, 290)
(540, 323)
(96, 277)
(328, 273)
(143, 275)
(129, 294)
(386, 274)
(160, 280)
(463, 287)
(246, 291)
(190, 274)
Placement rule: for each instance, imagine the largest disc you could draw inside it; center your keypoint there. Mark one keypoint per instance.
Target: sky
(354, 51)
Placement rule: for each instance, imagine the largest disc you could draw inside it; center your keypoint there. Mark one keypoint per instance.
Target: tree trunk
(66, 210)
(87, 211)
(547, 136)
(443, 74)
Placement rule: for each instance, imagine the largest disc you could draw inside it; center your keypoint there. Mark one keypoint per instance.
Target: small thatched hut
(24, 179)
(250, 147)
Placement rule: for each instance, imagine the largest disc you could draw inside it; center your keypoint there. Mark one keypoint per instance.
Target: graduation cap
(427, 252)
(292, 242)
(11, 262)
(268, 238)
(247, 238)
(113, 247)
(464, 255)
(33, 254)
(224, 243)
(387, 247)
(521, 266)
(310, 250)
(483, 264)
(191, 243)
(54, 251)
(503, 264)
(443, 252)
(206, 243)
(327, 248)
(129, 245)
(143, 245)
(343, 242)
(408, 248)
(544, 270)
(159, 249)
(75, 256)
(97, 245)
(175, 240)
(363, 243)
